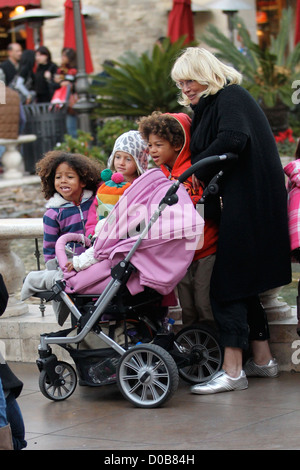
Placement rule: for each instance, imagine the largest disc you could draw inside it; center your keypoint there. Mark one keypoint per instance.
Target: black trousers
(240, 321)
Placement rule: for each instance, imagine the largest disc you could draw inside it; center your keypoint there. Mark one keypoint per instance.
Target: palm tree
(136, 86)
(268, 73)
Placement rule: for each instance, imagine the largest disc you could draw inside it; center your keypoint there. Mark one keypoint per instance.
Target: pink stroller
(144, 249)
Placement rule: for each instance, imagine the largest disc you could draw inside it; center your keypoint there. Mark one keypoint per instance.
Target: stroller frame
(147, 374)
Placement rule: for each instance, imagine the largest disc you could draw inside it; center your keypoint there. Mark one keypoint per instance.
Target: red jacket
(183, 162)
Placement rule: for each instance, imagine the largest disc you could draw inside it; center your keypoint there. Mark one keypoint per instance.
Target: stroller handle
(205, 162)
(63, 240)
(171, 196)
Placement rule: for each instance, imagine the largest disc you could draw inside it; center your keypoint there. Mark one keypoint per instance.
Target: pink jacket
(292, 170)
(163, 256)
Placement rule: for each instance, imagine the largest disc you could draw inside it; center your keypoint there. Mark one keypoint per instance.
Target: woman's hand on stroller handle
(171, 196)
(196, 182)
(205, 162)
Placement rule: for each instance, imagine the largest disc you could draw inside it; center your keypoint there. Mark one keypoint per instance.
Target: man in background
(11, 65)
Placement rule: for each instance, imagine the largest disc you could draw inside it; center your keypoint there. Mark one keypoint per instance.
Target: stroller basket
(96, 367)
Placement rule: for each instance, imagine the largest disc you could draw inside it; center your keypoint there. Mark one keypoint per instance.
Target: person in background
(160, 42)
(12, 430)
(5, 430)
(44, 75)
(65, 77)
(292, 171)
(67, 71)
(100, 78)
(24, 79)
(253, 252)
(11, 65)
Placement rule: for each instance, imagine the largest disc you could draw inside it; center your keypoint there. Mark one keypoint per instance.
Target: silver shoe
(221, 382)
(254, 370)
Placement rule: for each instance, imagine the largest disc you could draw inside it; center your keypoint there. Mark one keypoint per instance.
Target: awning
(16, 3)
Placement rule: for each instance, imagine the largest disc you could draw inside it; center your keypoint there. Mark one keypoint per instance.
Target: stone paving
(21, 201)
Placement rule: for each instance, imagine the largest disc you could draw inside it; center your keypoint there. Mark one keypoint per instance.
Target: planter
(278, 117)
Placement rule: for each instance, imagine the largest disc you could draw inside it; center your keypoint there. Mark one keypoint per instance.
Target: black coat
(9, 71)
(44, 88)
(253, 252)
(3, 296)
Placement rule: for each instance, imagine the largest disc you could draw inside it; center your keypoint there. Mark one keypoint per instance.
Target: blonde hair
(196, 63)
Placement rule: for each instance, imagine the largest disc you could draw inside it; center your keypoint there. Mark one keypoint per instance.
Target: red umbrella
(181, 21)
(70, 38)
(297, 30)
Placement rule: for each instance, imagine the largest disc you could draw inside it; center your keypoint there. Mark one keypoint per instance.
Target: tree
(268, 73)
(135, 86)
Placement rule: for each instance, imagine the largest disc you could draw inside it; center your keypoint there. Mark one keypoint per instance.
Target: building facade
(117, 26)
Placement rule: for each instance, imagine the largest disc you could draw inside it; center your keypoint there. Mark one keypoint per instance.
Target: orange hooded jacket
(182, 163)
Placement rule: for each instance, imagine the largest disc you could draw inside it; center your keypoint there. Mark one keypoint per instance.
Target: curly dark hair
(88, 170)
(163, 125)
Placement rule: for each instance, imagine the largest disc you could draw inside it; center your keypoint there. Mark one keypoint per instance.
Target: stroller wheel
(147, 376)
(200, 345)
(63, 386)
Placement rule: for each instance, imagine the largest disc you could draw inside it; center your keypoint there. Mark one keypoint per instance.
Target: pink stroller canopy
(163, 256)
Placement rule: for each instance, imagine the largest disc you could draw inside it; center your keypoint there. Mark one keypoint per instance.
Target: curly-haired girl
(69, 183)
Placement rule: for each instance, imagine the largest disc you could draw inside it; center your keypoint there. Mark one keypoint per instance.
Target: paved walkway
(265, 416)
(21, 198)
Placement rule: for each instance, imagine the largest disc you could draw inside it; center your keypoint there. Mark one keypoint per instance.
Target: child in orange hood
(168, 137)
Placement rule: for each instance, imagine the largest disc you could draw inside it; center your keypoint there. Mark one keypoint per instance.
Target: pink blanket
(162, 258)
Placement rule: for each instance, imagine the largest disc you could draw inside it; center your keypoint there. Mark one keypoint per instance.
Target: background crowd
(38, 79)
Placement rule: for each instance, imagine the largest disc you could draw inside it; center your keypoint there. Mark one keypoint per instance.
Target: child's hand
(196, 182)
(69, 266)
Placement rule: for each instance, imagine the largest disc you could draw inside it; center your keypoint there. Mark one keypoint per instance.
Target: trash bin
(48, 122)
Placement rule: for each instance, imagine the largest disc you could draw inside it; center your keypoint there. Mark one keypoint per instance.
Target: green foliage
(294, 121)
(83, 146)
(286, 143)
(106, 137)
(136, 86)
(111, 130)
(269, 73)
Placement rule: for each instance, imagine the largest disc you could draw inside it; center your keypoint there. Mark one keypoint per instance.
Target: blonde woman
(253, 246)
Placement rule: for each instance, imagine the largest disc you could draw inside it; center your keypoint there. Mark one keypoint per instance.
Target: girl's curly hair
(88, 170)
(163, 125)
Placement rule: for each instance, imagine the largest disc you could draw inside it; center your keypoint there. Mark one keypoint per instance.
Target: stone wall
(128, 25)
(121, 26)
